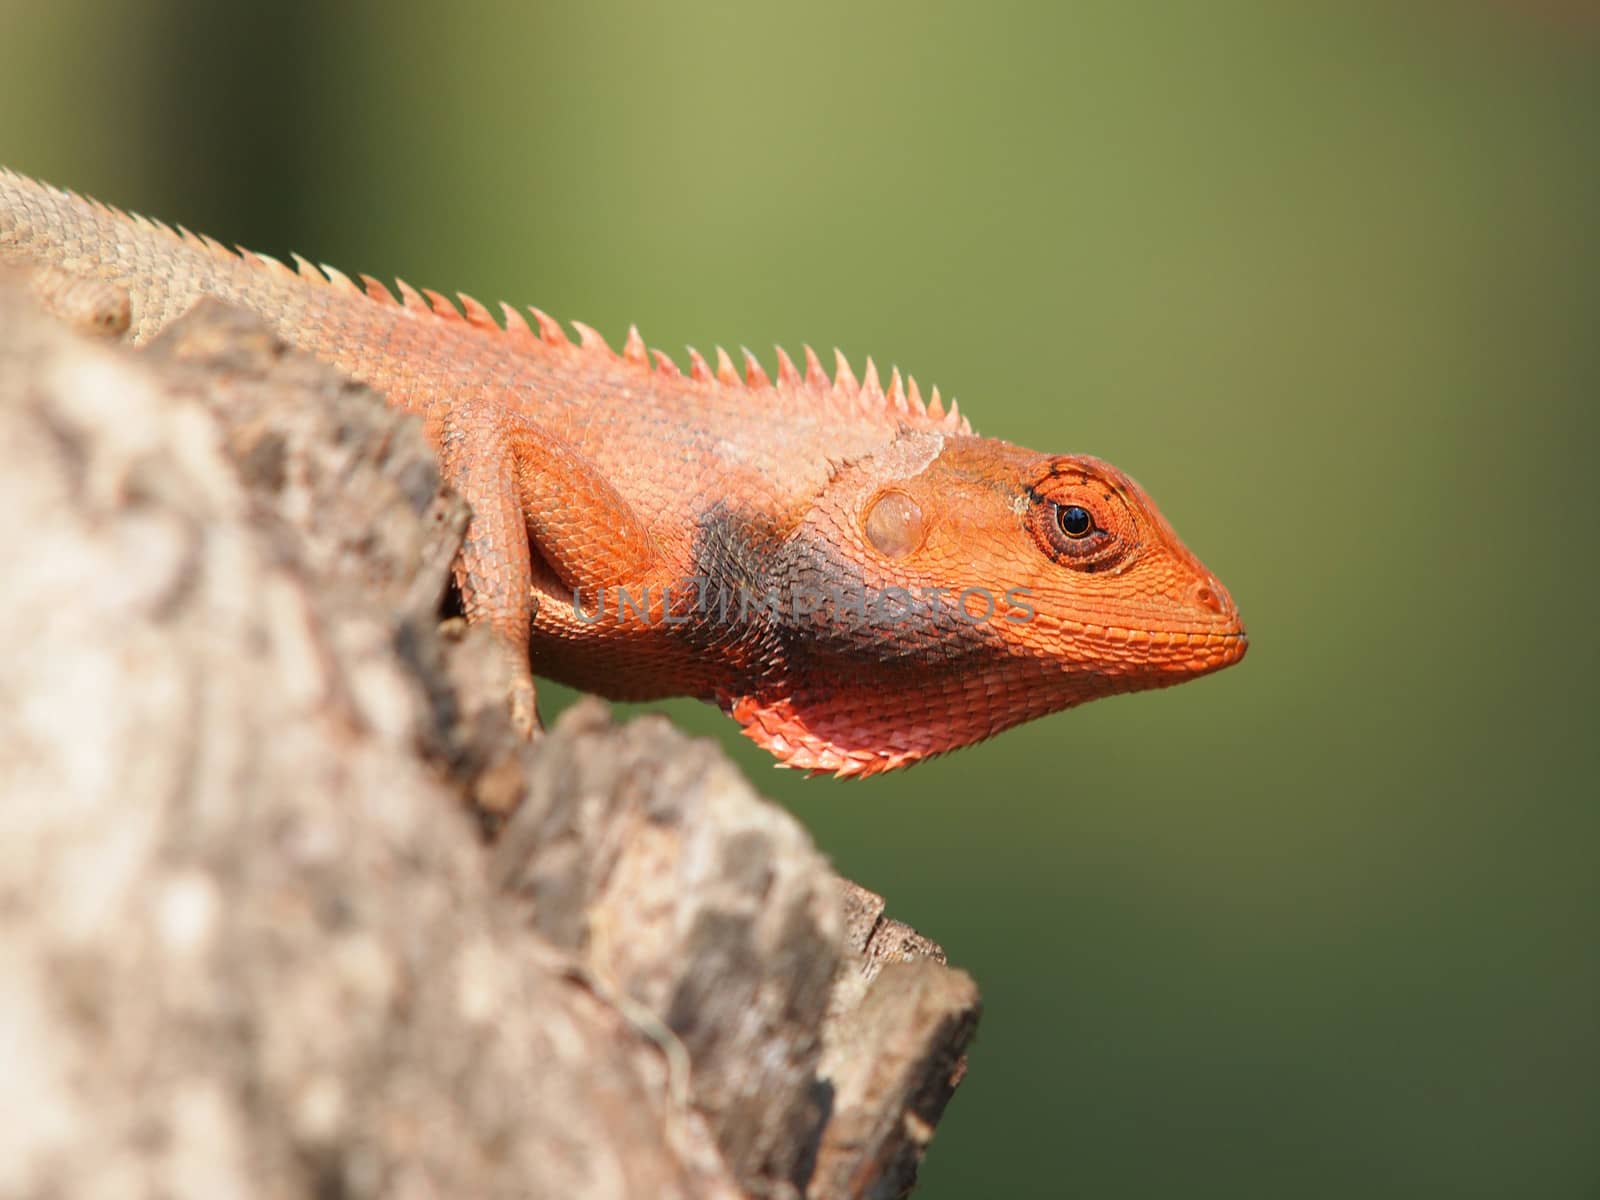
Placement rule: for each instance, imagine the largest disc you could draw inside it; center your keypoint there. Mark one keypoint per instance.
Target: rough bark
(287, 909)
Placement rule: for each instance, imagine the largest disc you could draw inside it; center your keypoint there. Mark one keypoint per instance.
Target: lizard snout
(1208, 597)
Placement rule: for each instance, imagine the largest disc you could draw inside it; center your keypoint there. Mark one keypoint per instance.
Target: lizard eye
(1074, 520)
(1080, 520)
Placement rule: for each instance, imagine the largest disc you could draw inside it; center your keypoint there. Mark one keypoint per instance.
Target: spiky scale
(441, 305)
(844, 379)
(816, 377)
(897, 391)
(589, 338)
(340, 280)
(517, 327)
(634, 349)
(665, 365)
(787, 375)
(550, 331)
(754, 376)
(699, 369)
(377, 289)
(410, 298)
(262, 262)
(871, 389)
(477, 315)
(915, 397)
(726, 372)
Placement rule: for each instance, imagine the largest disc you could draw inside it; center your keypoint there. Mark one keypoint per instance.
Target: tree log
(286, 908)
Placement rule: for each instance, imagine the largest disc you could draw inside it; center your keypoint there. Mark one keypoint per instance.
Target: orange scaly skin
(804, 544)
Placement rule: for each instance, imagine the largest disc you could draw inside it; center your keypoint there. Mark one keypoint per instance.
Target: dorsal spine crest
(866, 397)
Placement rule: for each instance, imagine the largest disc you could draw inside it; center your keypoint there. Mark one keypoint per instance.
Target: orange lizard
(849, 571)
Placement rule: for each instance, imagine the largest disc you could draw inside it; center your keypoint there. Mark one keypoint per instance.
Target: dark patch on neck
(732, 561)
(866, 631)
(783, 606)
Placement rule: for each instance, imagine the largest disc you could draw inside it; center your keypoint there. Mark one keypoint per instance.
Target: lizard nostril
(1206, 597)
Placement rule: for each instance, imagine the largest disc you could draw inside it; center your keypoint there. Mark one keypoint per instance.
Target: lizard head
(998, 584)
(1118, 602)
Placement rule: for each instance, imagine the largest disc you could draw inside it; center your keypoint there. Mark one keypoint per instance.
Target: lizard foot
(525, 709)
(522, 699)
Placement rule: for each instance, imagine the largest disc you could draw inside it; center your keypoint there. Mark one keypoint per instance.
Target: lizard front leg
(533, 496)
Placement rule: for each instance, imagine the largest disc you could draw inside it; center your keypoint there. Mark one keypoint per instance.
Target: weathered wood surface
(252, 941)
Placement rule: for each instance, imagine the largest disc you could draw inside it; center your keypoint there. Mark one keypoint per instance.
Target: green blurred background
(1324, 276)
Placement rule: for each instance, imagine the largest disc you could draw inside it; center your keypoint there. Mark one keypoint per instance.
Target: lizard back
(776, 440)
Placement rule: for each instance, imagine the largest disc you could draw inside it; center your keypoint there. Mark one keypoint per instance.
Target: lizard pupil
(1075, 521)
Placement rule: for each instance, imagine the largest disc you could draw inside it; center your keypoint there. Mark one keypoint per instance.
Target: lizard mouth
(1199, 651)
(1158, 657)
(1163, 658)
(1231, 642)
